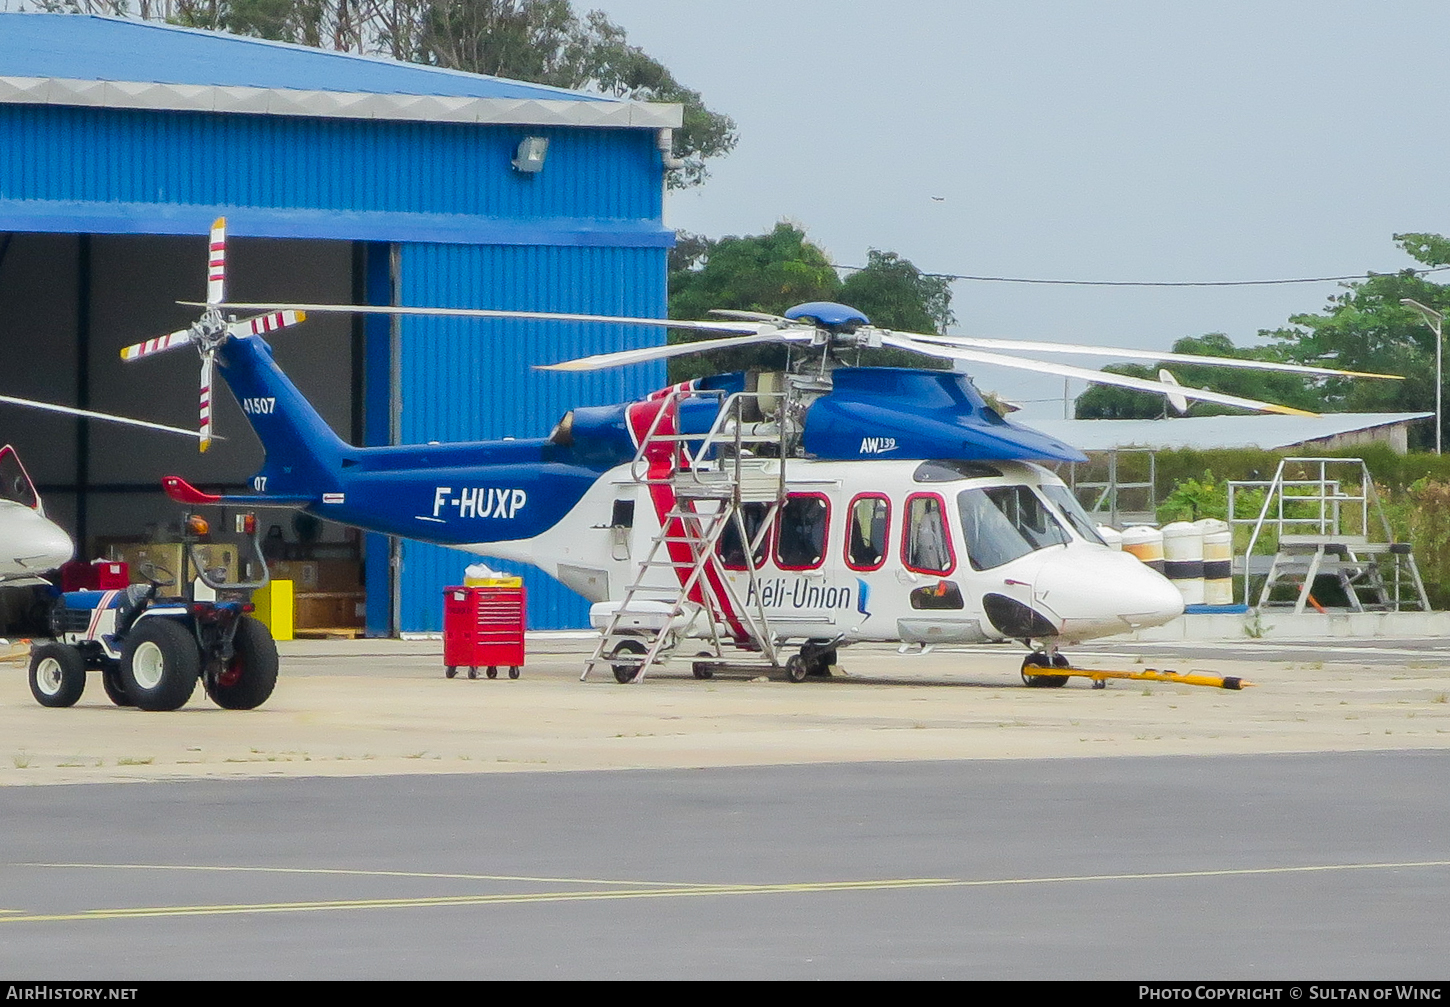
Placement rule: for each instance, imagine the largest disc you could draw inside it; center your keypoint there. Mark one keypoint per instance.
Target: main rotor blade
(160, 344)
(604, 361)
(751, 316)
(1096, 377)
(269, 322)
(51, 407)
(1031, 345)
(216, 265)
(738, 328)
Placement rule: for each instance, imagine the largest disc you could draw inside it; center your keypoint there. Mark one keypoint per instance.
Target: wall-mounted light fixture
(531, 153)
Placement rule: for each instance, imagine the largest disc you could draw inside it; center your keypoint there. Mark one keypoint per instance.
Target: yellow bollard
(274, 608)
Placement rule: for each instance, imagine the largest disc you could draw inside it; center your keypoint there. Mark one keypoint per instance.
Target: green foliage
(1193, 499)
(541, 41)
(775, 271)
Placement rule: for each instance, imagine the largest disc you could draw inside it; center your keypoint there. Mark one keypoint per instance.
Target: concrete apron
(1283, 625)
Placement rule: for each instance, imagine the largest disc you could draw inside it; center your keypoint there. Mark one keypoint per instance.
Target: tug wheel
(57, 674)
(114, 686)
(1037, 659)
(160, 664)
(248, 680)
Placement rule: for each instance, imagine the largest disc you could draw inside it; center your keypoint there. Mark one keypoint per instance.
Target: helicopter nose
(1106, 592)
(42, 545)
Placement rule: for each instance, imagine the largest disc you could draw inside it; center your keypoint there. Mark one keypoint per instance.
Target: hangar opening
(72, 301)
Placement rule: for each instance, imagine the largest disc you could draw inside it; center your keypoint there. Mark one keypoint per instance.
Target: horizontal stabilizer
(183, 492)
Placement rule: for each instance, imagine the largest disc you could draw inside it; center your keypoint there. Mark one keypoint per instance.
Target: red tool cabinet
(483, 627)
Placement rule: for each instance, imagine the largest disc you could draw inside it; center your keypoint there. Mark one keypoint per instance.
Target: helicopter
(823, 504)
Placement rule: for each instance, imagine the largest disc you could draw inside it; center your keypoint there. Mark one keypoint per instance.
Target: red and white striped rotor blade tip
(269, 322)
(160, 344)
(216, 263)
(207, 362)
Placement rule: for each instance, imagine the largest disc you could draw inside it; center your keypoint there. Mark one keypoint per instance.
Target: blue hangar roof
(104, 61)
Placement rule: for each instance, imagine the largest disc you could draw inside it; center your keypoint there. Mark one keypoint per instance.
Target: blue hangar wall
(443, 216)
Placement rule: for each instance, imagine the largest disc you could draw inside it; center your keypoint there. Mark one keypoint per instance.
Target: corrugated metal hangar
(343, 178)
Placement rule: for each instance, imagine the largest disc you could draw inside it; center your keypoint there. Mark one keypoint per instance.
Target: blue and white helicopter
(901, 506)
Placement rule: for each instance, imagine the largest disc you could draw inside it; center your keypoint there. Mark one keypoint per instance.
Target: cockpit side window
(1003, 523)
(800, 536)
(15, 485)
(1067, 504)
(731, 549)
(867, 528)
(926, 545)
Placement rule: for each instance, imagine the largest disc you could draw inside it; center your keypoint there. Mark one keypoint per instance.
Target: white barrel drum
(1146, 543)
(1218, 558)
(1183, 560)
(1111, 536)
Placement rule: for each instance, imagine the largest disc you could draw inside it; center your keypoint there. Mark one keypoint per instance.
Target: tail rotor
(209, 331)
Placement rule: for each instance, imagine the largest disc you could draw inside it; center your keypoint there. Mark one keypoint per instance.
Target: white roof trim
(338, 104)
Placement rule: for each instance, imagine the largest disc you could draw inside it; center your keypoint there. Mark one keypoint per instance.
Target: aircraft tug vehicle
(824, 503)
(151, 647)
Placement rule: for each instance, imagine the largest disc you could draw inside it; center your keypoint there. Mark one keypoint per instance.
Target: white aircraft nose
(1098, 593)
(37, 544)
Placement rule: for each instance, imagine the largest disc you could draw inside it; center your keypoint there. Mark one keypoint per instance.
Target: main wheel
(1037, 659)
(251, 675)
(624, 673)
(57, 674)
(115, 688)
(797, 668)
(160, 664)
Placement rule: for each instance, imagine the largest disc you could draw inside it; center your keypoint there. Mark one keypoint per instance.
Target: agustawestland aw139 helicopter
(823, 505)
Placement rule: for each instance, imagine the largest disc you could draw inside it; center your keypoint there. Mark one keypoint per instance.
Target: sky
(1065, 140)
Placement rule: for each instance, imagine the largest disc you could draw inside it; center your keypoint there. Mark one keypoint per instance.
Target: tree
(540, 41)
(894, 294)
(775, 271)
(1366, 328)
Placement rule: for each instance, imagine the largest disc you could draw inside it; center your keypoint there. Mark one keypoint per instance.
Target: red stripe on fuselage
(640, 416)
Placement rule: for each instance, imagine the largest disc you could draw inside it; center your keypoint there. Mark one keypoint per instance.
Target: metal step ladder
(704, 482)
(1324, 519)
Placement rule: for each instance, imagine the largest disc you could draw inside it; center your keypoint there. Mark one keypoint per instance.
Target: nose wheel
(1034, 679)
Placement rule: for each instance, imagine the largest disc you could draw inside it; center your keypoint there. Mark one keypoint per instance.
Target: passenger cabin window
(866, 532)
(926, 546)
(1003, 523)
(800, 537)
(731, 549)
(1067, 504)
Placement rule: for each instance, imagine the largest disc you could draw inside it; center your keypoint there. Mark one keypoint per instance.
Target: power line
(1161, 283)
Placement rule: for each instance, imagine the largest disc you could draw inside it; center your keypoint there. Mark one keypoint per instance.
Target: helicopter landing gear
(1043, 659)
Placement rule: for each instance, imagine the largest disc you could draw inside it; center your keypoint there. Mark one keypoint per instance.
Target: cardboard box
(167, 558)
(319, 575)
(329, 610)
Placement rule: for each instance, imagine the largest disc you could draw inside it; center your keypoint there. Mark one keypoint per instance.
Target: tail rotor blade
(208, 360)
(269, 322)
(158, 345)
(216, 266)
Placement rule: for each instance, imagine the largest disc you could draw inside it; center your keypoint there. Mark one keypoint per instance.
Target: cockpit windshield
(1003, 523)
(1064, 500)
(14, 483)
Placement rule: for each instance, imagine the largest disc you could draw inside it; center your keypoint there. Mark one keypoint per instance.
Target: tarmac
(347, 708)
